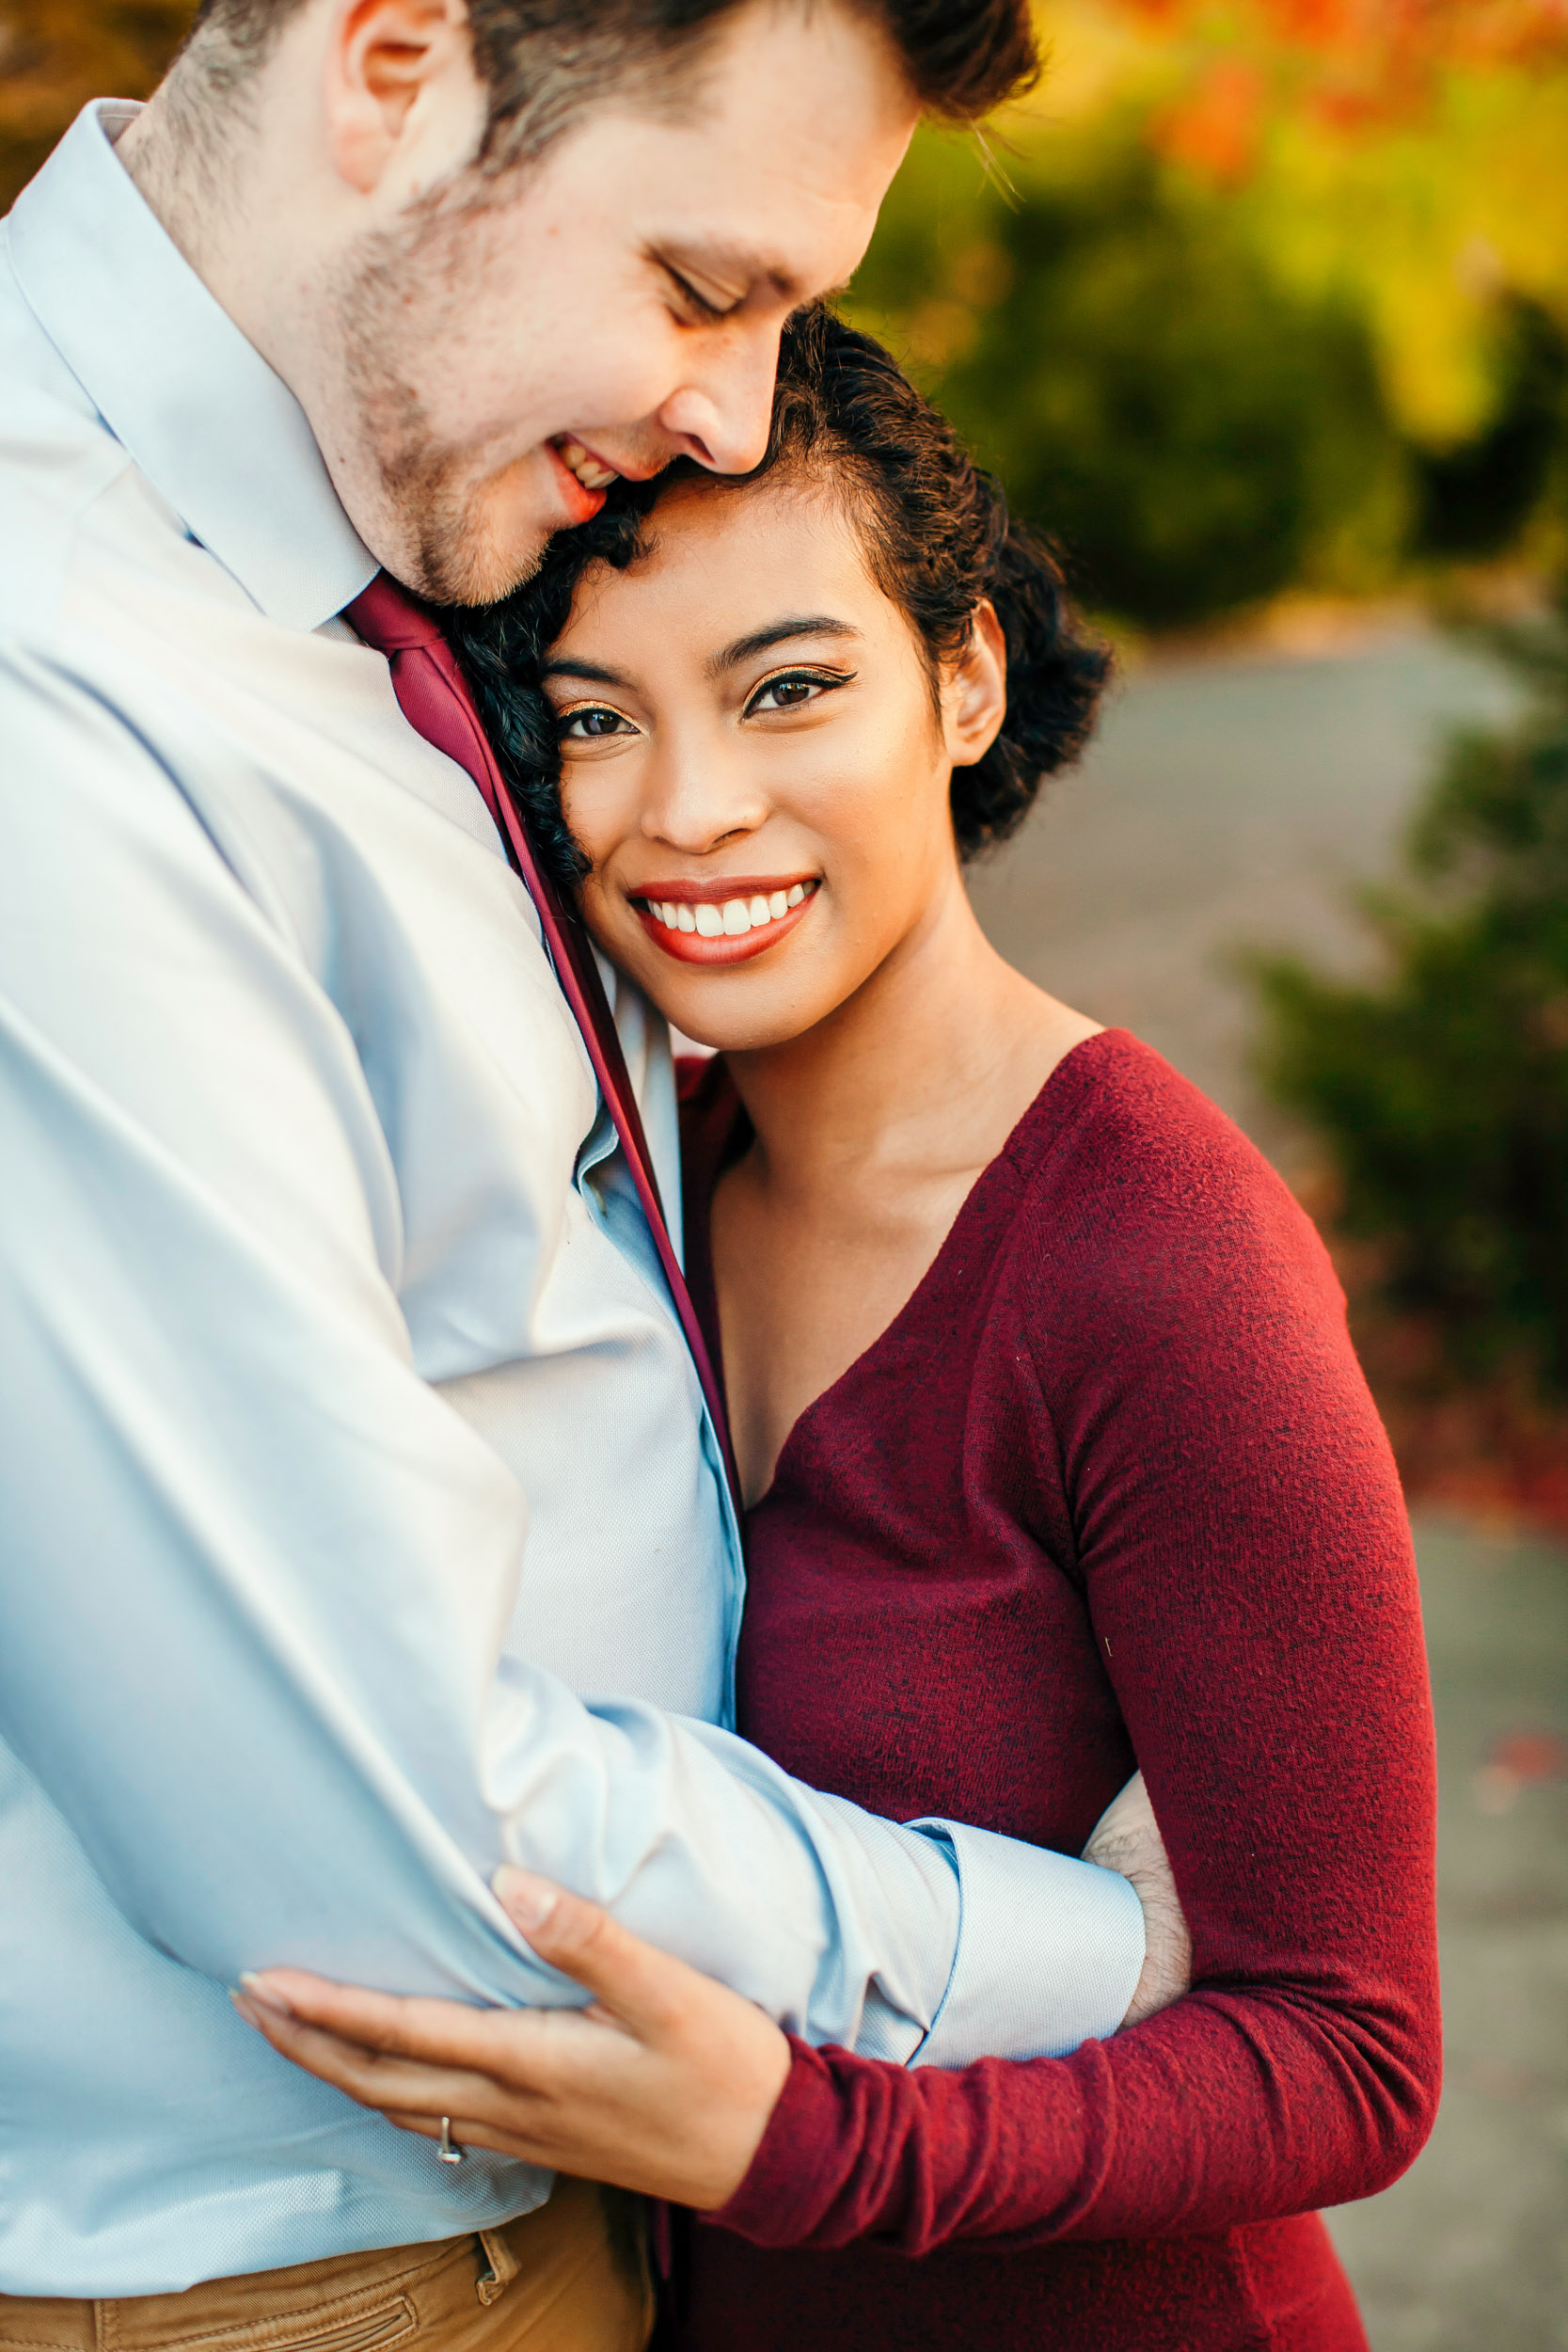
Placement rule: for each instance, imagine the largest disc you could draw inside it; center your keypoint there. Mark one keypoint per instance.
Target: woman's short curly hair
(937, 539)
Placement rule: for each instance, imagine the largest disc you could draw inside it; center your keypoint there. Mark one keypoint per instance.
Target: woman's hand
(664, 2084)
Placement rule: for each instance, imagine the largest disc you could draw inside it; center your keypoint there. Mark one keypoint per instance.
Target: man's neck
(167, 151)
(215, 169)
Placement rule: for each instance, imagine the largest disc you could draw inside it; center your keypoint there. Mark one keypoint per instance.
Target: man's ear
(393, 69)
(975, 691)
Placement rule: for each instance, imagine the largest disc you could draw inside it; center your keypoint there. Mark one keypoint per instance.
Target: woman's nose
(700, 799)
(721, 415)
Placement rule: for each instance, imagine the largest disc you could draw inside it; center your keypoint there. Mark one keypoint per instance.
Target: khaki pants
(570, 2278)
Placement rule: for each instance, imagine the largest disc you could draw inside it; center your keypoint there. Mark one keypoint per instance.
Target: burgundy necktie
(435, 702)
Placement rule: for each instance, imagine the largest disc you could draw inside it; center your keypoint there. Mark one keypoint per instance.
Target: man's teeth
(588, 471)
(732, 919)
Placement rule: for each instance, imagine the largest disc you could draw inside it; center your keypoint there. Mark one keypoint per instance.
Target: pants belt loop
(504, 2267)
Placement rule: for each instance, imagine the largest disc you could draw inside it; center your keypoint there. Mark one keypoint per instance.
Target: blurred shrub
(1442, 1094)
(1475, 500)
(1283, 301)
(54, 54)
(1196, 436)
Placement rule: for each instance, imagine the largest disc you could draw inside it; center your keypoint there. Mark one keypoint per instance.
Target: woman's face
(753, 762)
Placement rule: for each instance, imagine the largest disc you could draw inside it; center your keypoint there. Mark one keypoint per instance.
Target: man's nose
(722, 414)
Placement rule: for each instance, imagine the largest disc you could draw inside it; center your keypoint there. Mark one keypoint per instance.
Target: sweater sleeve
(1242, 1552)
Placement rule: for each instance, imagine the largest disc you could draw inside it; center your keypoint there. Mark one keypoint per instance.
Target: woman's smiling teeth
(587, 468)
(732, 919)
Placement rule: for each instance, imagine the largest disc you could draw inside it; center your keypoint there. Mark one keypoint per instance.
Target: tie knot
(387, 617)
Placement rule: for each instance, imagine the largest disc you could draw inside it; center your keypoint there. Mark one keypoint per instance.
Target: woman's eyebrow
(761, 639)
(593, 672)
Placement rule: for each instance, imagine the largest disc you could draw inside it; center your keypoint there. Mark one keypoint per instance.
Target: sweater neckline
(1017, 1157)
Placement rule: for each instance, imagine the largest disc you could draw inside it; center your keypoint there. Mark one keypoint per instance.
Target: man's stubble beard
(403, 291)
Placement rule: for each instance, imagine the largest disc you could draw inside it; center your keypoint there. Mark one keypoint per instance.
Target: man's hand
(1127, 1838)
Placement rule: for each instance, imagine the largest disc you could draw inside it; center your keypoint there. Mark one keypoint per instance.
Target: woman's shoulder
(1114, 1117)
(1126, 1177)
(1176, 1304)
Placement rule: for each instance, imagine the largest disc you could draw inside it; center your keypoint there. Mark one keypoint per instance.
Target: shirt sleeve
(258, 1572)
(1243, 1555)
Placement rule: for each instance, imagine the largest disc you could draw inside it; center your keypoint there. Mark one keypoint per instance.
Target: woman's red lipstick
(773, 906)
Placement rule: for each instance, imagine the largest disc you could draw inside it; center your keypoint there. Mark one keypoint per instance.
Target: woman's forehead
(720, 560)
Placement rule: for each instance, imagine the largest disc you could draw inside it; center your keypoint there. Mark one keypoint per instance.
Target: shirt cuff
(1050, 1952)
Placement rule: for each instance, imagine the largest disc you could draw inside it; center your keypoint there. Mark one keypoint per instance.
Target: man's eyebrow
(595, 673)
(761, 639)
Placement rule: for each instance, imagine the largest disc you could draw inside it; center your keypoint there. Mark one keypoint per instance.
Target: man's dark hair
(938, 538)
(545, 62)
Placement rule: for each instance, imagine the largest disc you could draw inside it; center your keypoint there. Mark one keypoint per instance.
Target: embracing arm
(260, 1573)
(664, 2083)
(1244, 1558)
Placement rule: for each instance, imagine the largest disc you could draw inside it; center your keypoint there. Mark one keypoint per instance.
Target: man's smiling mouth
(591, 471)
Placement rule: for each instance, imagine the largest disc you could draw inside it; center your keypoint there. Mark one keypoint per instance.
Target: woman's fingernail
(266, 1995)
(527, 1902)
(246, 2007)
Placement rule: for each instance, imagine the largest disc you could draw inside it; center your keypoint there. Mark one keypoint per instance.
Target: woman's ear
(975, 691)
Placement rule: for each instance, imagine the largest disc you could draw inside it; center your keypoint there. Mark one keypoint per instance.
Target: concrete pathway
(1233, 803)
(1227, 803)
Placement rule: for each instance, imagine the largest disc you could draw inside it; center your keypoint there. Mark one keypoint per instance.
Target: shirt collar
(204, 417)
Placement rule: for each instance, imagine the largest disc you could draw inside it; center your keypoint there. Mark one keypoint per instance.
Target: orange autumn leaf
(1214, 129)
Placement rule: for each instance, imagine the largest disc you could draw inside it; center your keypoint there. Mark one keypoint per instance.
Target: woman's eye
(791, 691)
(592, 724)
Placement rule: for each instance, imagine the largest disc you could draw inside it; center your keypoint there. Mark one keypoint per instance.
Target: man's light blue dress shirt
(359, 1523)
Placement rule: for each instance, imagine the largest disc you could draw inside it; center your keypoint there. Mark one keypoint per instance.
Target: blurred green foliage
(1198, 430)
(1442, 1094)
(1476, 498)
(1196, 434)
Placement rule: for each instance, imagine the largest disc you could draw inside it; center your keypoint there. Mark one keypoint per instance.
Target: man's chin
(471, 568)
(460, 545)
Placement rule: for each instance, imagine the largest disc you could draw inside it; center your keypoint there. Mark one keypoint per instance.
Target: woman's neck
(871, 1130)
(924, 1072)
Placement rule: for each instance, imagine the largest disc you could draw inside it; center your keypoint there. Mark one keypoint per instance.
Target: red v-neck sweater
(1109, 1490)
